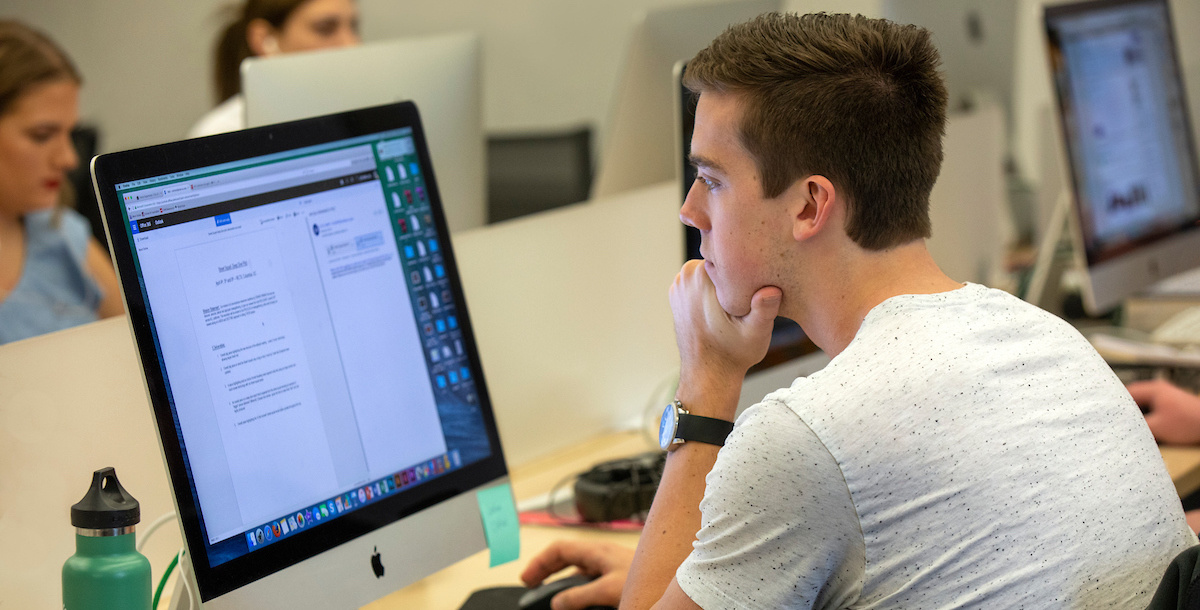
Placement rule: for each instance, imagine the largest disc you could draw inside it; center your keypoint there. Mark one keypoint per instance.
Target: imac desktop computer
(637, 148)
(308, 357)
(1134, 215)
(976, 39)
(441, 74)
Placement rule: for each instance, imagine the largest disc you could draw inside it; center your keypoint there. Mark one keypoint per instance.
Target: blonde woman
(53, 274)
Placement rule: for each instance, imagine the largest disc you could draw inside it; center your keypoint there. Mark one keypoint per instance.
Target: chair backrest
(1179, 588)
(532, 172)
(86, 140)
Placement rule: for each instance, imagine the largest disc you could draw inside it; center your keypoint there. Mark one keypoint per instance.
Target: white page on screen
(254, 356)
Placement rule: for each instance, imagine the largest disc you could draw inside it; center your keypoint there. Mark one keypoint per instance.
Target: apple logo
(377, 563)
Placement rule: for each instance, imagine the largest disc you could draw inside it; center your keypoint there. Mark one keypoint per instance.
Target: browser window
(310, 290)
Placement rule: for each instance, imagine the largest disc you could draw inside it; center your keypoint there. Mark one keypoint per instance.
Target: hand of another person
(1193, 519)
(609, 561)
(1173, 414)
(714, 346)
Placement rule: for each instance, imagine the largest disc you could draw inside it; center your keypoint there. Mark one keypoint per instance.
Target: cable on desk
(153, 527)
(162, 582)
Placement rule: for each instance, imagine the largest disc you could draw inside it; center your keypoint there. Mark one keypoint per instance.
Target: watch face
(666, 427)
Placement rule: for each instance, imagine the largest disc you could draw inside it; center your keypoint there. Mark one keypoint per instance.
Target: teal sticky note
(500, 524)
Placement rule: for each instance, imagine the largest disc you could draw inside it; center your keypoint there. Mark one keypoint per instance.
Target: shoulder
(769, 431)
(50, 230)
(776, 504)
(775, 465)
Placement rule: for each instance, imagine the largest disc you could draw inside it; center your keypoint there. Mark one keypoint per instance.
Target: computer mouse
(538, 598)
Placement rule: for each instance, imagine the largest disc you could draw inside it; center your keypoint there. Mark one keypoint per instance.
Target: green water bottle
(106, 572)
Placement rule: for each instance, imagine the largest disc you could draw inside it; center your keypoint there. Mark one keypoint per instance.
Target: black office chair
(533, 172)
(86, 140)
(1180, 587)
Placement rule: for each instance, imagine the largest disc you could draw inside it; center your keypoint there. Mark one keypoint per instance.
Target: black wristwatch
(678, 425)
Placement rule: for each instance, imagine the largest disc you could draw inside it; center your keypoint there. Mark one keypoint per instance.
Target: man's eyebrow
(705, 162)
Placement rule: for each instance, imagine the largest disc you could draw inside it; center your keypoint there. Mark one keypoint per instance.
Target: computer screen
(445, 83)
(307, 353)
(1132, 161)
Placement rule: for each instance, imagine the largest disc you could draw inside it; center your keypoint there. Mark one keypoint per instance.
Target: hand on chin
(713, 343)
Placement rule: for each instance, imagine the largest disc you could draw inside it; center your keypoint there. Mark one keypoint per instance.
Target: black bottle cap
(106, 505)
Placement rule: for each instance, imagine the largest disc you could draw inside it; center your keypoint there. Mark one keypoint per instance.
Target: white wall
(547, 63)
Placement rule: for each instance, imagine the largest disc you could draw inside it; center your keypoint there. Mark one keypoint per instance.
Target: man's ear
(816, 202)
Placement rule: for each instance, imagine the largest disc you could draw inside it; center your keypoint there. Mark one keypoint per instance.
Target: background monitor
(308, 356)
(1124, 116)
(638, 148)
(440, 73)
(977, 43)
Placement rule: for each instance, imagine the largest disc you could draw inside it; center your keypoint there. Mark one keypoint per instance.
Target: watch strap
(703, 429)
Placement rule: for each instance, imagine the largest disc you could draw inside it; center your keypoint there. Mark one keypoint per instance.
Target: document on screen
(254, 358)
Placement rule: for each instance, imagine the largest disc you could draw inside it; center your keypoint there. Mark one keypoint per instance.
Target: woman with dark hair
(271, 27)
(53, 274)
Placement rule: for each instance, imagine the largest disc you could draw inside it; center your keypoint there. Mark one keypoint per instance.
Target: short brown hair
(29, 58)
(857, 100)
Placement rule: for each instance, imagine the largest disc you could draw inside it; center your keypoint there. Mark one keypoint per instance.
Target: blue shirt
(55, 290)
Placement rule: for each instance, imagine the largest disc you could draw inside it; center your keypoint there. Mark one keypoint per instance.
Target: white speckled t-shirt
(965, 450)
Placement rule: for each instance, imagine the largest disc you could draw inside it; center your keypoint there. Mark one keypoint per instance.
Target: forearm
(674, 517)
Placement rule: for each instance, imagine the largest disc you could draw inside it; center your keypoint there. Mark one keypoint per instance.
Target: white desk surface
(450, 587)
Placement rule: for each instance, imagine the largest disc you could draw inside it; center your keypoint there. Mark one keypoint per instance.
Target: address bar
(244, 184)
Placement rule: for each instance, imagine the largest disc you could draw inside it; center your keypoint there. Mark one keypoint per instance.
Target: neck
(841, 292)
(10, 226)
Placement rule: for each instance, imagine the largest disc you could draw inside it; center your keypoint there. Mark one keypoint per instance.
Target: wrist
(679, 425)
(708, 397)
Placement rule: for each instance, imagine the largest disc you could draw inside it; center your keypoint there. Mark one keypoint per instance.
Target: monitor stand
(185, 595)
(1055, 256)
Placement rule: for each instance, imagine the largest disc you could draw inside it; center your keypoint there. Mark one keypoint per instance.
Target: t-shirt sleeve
(778, 527)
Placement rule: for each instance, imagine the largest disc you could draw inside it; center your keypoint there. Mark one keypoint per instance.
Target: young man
(961, 449)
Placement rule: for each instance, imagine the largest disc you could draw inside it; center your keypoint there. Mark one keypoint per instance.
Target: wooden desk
(1183, 464)
(53, 434)
(450, 587)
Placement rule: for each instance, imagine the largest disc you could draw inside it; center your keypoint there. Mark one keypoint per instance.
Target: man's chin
(736, 309)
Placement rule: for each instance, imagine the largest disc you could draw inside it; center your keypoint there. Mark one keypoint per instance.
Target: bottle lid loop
(106, 505)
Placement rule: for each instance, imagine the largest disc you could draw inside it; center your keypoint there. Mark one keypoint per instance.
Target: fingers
(764, 306)
(604, 591)
(591, 558)
(557, 556)
(1143, 392)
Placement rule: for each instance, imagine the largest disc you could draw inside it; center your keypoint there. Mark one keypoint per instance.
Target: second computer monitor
(638, 146)
(440, 73)
(1124, 117)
